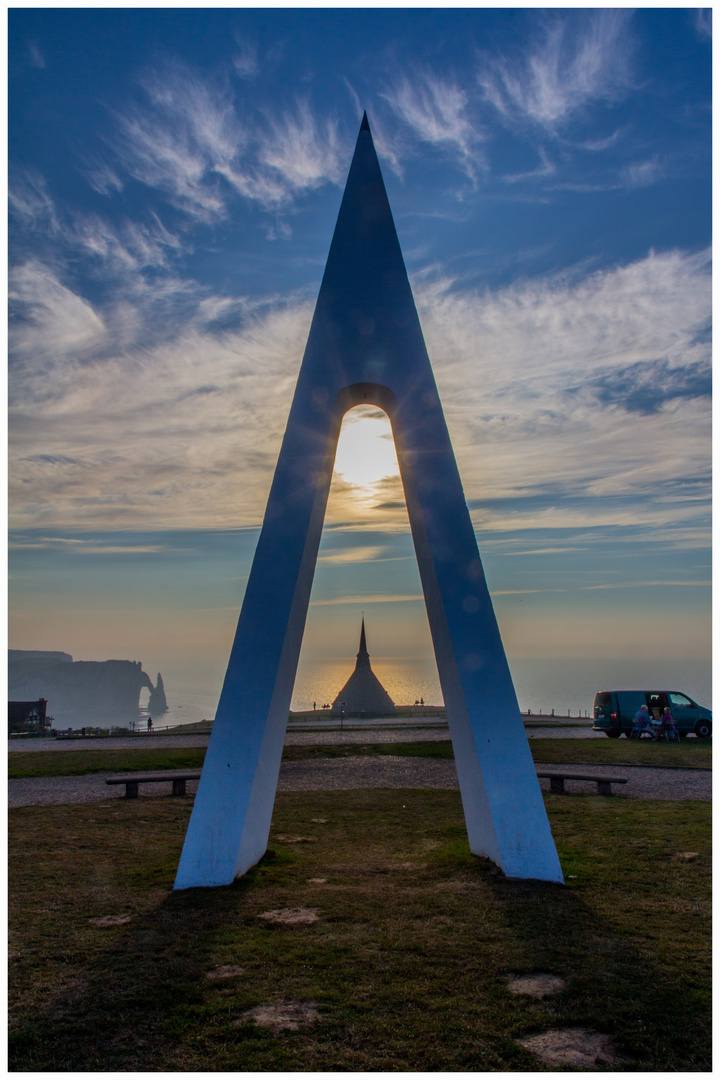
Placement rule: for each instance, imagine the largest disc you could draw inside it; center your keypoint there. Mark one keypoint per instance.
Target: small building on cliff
(363, 695)
(28, 717)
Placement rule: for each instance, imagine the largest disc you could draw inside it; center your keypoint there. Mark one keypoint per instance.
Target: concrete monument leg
(366, 345)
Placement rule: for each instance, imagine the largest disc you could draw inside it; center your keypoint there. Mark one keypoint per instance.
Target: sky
(174, 180)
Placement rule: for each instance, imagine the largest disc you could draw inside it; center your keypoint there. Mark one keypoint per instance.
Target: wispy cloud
(188, 141)
(144, 432)
(542, 551)
(302, 151)
(590, 392)
(399, 599)
(521, 592)
(182, 139)
(340, 556)
(37, 59)
(245, 61)
(650, 585)
(102, 178)
(572, 401)
(544, 169)
(436, 111)
(644, 173)
(573, 63)
(648, 386)
(596, 145)
(76, 546)
(56, 324)
(30, 200)
(114, 249)
(703, 22)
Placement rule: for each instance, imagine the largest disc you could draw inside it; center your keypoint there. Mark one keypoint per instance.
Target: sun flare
(366, 450)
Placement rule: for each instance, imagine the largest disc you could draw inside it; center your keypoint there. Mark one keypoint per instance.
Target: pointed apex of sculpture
(365, 283)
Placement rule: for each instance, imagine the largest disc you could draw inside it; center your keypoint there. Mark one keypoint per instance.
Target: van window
(602, 699)
(681, 700)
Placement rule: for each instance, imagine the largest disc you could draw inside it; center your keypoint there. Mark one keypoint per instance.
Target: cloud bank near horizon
(554, 390)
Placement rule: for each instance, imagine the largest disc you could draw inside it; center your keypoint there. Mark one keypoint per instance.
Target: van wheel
(613, 734)
(703, 729)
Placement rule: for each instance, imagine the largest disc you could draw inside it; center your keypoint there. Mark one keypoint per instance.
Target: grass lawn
(694, 753)
(31, 763)
(407, 962)
(690, 754)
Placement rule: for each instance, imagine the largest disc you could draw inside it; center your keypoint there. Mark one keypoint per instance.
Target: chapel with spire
(363, 695)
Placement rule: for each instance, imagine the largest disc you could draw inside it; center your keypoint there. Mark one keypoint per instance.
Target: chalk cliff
(81, 691)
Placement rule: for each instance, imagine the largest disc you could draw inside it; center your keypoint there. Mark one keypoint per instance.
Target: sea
(567, 687)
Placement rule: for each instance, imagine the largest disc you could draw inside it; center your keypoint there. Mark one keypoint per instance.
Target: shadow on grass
(407, 963)
(658, 1017)
(121, 1009)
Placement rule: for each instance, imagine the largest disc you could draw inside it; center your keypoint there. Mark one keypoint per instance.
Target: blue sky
(174, 180)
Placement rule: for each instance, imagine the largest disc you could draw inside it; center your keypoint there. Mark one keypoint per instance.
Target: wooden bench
(557, 781)
(132, 782)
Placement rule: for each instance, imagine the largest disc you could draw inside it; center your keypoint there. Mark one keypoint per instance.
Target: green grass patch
(694, 753)
(30, 763)
(408, 960)
(690, 754)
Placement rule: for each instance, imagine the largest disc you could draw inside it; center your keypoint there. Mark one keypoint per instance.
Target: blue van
(614, 711)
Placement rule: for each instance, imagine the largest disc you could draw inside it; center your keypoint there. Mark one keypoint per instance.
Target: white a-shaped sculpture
(366, 346)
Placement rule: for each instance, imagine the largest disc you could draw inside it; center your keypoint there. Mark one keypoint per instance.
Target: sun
(366, 450)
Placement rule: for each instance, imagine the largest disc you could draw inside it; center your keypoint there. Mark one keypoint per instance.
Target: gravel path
(317, 738)
(293, 738)
(369, 772)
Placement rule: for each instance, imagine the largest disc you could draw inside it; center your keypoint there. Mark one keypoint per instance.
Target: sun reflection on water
(406, 681)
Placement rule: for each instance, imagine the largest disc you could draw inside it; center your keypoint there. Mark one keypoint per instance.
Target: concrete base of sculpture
(366, 347)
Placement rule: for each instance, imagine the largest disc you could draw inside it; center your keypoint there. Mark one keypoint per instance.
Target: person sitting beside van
(666, 723)
(642, 720)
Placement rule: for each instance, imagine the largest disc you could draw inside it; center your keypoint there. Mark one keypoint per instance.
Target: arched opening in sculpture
(366, 566)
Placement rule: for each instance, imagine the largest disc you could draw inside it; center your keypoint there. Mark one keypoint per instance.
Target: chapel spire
(363, 653)
(363, 695)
